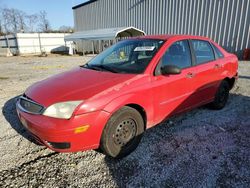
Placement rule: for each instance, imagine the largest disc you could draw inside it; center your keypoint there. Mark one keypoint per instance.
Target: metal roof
(83, 4)
(105, 34)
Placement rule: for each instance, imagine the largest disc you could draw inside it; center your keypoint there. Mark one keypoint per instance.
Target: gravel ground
(202, 148)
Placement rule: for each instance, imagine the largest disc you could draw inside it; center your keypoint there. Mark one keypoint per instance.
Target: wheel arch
(141, 110)
(144, 107)
(231, 81)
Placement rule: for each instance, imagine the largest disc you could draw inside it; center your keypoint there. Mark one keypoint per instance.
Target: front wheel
(221, 96)
(123, 133)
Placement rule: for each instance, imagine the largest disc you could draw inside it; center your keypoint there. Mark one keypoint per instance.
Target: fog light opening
(59, 145)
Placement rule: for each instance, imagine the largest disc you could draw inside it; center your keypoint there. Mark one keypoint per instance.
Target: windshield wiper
(91, 67)
(85, 66)
(107, 68)
(103, 67)
(99, 67)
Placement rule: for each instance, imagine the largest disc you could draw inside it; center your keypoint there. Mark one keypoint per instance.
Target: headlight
(62, 110)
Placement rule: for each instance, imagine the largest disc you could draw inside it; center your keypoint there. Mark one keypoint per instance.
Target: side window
(217, 52)
(178, 54)
(203, 51)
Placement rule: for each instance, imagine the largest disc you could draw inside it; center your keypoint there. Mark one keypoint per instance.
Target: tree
(21, 20)
(1, 22)
(66, 29)
(32, 22)
(13, 20)
(44, 22)
(9, 20)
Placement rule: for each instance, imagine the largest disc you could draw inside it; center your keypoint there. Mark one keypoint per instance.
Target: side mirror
(170, 69)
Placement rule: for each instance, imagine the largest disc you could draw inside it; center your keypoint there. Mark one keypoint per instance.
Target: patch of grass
(47, 67)
(4, 78)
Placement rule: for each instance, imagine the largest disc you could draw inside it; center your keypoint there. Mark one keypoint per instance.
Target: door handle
(217, 66)
(190, 75)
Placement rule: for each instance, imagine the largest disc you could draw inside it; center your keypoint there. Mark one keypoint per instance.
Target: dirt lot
(202, 148)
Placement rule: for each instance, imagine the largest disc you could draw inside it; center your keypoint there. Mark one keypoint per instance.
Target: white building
(33, 43)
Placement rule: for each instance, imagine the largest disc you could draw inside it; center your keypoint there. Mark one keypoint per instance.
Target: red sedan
(135, 84)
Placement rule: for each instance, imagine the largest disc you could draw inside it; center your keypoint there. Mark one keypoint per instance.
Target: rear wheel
(221, 96)
(123, 133)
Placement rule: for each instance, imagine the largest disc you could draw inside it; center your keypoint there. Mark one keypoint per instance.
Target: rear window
(203, 51)
(217, 52)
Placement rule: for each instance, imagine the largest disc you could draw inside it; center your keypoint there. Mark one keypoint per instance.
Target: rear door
(207, 71)
(173, 93)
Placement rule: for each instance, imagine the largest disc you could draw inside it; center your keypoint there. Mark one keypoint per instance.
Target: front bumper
(236, 78)
(60, 135)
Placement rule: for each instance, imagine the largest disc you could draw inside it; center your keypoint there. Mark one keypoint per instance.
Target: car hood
(76, 84)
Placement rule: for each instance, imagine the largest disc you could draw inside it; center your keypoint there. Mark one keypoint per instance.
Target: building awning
(105, 34)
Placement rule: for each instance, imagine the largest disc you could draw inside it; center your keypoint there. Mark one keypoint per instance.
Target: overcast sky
(59, 11)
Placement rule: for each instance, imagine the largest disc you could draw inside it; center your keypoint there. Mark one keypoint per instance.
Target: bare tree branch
(44, 22)
(1, 23)
(32, 22)
(66, 29)
(13, 20)
(21, 20)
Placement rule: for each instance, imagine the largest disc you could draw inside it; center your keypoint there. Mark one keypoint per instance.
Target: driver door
(173, 93)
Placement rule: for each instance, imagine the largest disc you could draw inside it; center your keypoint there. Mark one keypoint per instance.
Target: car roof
(167, 37)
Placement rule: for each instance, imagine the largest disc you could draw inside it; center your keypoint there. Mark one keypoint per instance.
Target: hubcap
(125, 131)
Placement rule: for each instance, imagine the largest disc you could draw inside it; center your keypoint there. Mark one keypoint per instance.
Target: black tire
(122, 133)
(221, 96)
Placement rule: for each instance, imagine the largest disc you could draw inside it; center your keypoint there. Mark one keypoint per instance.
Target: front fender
(145, 101)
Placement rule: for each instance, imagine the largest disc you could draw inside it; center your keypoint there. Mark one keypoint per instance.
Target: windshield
(128, 56)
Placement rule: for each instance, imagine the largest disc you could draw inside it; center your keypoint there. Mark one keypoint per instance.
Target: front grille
(29, 106)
